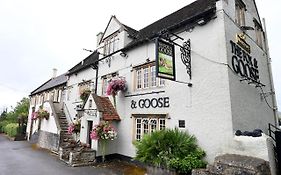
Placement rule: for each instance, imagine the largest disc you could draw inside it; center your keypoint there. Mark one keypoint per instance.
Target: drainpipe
(272, 90)
(97, 73)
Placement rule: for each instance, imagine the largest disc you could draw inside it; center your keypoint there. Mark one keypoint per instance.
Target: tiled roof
(87, 62)
(132, 32)
(105, 106)
(53, 82)
(187, 15)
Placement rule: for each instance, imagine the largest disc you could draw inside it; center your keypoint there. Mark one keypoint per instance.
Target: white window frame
(105, 81)
(139, 78)
(145, 77)
(153, 78)
(148, 124)
(258, 31)
(111, 44)
(240, 10)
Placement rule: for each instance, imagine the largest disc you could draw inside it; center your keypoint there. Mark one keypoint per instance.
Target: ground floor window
(146, 124)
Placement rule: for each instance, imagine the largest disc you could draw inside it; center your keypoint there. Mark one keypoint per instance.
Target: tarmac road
(20, 158)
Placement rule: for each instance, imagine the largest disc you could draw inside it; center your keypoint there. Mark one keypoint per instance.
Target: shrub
(171, 149)
(3, 124)
(11, 129)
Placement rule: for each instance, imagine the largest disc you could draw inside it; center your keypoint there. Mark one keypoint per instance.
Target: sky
(39, 35)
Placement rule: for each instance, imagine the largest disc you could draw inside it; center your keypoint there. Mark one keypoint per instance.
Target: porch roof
(105, 106)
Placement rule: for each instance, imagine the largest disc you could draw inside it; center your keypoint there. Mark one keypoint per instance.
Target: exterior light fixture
(201, 22)
(123, 54)
(244, 28)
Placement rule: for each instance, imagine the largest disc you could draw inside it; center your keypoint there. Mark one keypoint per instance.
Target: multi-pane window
(111, 44)
(139, 79)
(105, 80)
(148, 124)
(153, 76)
(138, 128)
(258, 31)
(104, 85)
(145, 77)
(240, 9)
(162, 124)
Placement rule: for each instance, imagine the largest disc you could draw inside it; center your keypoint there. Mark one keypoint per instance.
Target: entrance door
(90, 128)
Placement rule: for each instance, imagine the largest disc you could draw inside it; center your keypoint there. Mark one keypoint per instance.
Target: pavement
(23, 158)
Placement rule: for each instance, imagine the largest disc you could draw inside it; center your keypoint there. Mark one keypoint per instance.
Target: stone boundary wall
(48, 140)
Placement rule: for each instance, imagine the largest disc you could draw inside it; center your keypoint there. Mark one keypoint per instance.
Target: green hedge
(3, 124)
(11, 129)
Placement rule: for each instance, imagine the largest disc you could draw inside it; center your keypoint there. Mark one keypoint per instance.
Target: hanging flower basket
(84, 94)
(41, 114)
(114, 86)
(103, 132)
(74, 127)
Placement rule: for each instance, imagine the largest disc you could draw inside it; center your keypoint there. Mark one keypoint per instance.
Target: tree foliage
(20, 110)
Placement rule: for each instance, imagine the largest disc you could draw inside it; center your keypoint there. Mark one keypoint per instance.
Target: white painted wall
(205, 107)
(72, 85)
(112, 27)
(249, 110)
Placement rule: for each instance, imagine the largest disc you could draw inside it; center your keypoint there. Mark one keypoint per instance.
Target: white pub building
(203, 69)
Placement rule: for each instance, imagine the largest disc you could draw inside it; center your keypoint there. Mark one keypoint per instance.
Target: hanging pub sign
(165, 60)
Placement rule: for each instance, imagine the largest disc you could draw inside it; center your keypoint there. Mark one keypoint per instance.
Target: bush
(11, 129)
(3, 124)
(171, 149)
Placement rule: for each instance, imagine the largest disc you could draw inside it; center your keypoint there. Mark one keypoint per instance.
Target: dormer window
(111, 44)
(258, 31)
(240, 9)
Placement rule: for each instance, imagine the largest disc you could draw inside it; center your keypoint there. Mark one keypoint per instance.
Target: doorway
(90, 128)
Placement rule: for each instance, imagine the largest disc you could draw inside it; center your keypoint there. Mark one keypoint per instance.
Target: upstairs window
(111, 44)
(145, 77)
(240, 9)
(105, 81)
(258, 31)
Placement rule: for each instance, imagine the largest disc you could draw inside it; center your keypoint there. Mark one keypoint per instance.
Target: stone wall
(232, 164)
(48, 140)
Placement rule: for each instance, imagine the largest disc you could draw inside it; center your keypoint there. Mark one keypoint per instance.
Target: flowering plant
(103, 131)
(41, 113)
(74, 127)
(84, 94)
(34, 116)
(115, 85)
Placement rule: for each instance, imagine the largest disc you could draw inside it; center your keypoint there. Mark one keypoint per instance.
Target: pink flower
(104, 131)
(116, 85)
(70, 129)
(94, 135)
